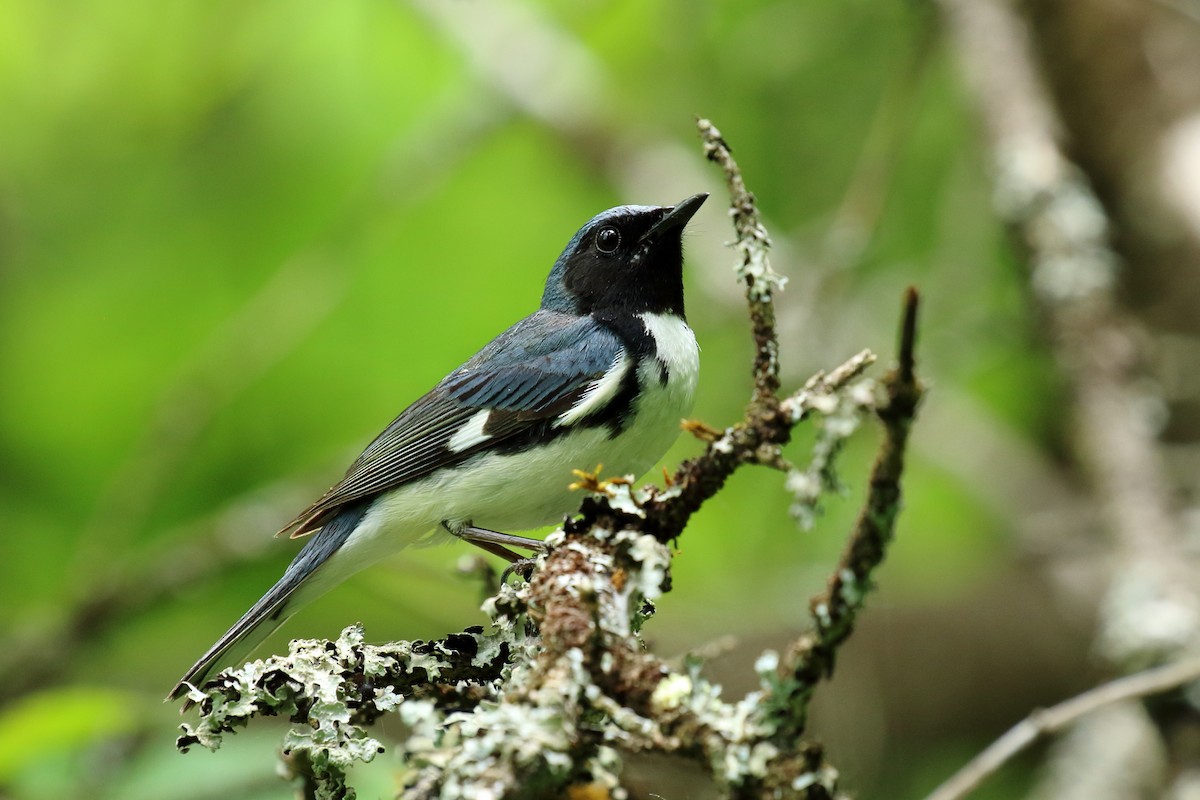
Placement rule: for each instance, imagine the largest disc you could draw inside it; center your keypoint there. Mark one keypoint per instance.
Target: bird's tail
(299, 585)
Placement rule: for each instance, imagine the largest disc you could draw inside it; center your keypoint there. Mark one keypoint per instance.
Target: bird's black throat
(650, 279)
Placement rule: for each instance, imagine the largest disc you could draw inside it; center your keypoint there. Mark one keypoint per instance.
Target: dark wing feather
(530, 374)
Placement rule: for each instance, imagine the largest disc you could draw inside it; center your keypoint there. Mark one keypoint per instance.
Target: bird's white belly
(519, 491)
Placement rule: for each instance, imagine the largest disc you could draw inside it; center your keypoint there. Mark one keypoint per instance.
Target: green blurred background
(236, 239)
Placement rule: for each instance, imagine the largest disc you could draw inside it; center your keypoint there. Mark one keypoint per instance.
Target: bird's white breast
(661, 406)
(520, 491)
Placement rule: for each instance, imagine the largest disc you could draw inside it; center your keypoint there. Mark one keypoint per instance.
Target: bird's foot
(701, 430)
(591, 481)
(522, 566)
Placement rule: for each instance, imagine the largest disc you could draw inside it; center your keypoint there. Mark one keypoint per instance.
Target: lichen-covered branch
(754, 269)
(835, 610)
(560, 684)
(769, 420)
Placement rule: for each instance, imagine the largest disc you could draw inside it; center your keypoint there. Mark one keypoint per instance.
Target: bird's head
(628, 259)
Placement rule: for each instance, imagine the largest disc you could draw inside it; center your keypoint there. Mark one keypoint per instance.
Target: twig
(768, 421)
(755, 270)
(1047, 722)
(835, 611)
(699, 478)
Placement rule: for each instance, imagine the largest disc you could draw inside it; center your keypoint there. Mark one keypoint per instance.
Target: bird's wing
(549, 370)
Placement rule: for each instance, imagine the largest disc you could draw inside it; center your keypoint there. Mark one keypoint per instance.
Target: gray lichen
(840, 415)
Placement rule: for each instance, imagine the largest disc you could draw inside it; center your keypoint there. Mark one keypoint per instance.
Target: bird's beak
(676, 217)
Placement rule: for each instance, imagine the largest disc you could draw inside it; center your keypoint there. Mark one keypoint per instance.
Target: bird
(601, 373)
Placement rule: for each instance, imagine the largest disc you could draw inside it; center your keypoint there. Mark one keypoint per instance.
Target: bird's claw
(522, 566)
(701, 430)
(591, 481)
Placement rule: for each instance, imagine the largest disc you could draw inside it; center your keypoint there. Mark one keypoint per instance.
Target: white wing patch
(471, 433)
(599, 394)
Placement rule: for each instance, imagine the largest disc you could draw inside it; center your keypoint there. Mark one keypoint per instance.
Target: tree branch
(1045, 723)
(561, 680)
(835, 611)
(762, 282)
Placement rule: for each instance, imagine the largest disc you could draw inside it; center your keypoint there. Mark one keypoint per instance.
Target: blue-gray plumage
(601, 373)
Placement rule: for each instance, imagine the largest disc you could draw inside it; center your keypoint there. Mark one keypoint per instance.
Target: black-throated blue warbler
(602, 373)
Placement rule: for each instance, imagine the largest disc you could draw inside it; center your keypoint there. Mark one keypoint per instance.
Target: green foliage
(42, 725)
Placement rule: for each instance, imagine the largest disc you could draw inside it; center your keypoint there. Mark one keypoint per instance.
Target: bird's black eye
(607, 240)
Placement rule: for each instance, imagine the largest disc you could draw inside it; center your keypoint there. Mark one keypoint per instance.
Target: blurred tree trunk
(1092, 114)
(1125, 77)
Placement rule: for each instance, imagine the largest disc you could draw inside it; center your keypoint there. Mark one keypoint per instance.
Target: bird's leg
(495, 542)
(482, 537)
(497, 550)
